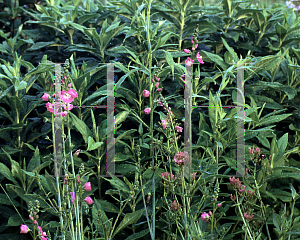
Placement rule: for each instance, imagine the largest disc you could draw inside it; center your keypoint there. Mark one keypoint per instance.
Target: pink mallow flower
(73, 197)
(156, 85)
(219, 205)
(146, 93)
(24, 228)
(45, 97)
(205, 217)
(88, 187)
(186, 50)
(164, 124)
(88, 200)
(147, 110)
(189, 62)
(50, 107)
(181, 158)
(199, 58)
(159, 89)
(178, 129)
(67, 97)
(43, 234)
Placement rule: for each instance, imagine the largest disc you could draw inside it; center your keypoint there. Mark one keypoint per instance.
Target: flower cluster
(175, 206)
(156, 81)
(88, 199)
(248, 216)
(181, 158)
(291, 4)
(33, 210)
(66, 97)
(189, 61)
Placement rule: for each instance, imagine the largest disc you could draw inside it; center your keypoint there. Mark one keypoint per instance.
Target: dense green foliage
(146, 39)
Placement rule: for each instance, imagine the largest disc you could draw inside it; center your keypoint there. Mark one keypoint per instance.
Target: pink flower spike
(24, 228)
(186, 51)
(88, 200)
(45, 97)
(199, 58)
(146, 93)
(88, 187)
(164, 123)
(147, 110)
(73, 197)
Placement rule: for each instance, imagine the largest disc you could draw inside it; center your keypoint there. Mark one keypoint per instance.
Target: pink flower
(181, 158)
(205, 217)
(196, 45)
(153, 79)
(157, 79)
(175, 206)
(88, 200)
(78, 180)
(248, 216)
(178, 129)
(214, 199)
(193, 48)
(210, 213)
(50, 107)
(156, 85)
(193, 176)
(73, 197)
(88, 187)
(146, 93)
(199, 58)
(168, 176)
(31, 217)
(159, 89)
(147, 110)
(69, 105)
(43, 234)
(164, 123)
(35, 222)
(189, 61)
(66, 97)
(232, 197)
(70, 85)
(45, 97)
(63, 114)
(63, 81)
(24, 228)
(186, 50)
(192, 41)
(183, 77)
(219, 205)
(73, 93)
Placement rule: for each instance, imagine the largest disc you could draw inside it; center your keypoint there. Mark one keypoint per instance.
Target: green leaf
(282, 143)
(14, 221)
(109, 207)
(16, 171)
(6, 172)
(130, 218)
(280, 30)
(263, 140)
(214, 58)
(138, 235)
(170, 61)
(92, 145)
(141, 129)
(121, 117)
(274, 119)
(20, 85)
(230, 50)
(81, 127)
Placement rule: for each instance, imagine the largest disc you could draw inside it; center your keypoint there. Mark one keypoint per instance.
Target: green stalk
(151, 117)
(58, 183)
(74, 182)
